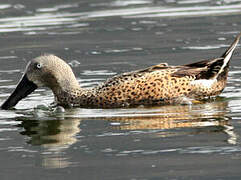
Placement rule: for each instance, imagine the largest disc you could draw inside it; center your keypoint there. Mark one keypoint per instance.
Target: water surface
(100, 39)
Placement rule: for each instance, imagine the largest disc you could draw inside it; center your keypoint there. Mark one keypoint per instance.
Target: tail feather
(232, 46)
(225, 58)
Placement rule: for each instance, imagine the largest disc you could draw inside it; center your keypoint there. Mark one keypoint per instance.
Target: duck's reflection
(169, 117)
(232, 136)
(56, 136)
(51, 133)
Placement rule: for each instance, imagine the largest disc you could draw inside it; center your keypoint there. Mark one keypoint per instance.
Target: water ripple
(188, 150)
(98, 72)
(206, 47)
(5, 6)
(50, 18)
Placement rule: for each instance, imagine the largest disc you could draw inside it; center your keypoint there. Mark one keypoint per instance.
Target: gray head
(43, 71)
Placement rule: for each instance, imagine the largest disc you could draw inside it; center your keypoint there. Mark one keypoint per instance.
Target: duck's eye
(38, 66)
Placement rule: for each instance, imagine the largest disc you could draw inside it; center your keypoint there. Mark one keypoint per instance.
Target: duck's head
(43, 71)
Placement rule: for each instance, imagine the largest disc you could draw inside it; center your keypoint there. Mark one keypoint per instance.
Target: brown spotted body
(156, 85)
(141, 88)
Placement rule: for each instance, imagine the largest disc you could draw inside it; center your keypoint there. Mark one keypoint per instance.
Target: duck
(160, 84)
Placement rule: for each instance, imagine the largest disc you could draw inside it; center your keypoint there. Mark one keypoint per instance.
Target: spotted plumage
(156, 85)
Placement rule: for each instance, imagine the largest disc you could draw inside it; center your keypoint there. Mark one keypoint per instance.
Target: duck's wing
(205, 69)
(157, 67)
(208, 69)
(141, 72)
(128, 76)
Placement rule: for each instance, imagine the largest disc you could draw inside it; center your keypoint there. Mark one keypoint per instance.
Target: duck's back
(154, 85)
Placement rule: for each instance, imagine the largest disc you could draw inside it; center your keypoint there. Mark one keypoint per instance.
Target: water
(100, 39)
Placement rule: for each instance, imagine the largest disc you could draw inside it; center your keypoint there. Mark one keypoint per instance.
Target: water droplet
(59, 109)
(74, 63)
(18, 6)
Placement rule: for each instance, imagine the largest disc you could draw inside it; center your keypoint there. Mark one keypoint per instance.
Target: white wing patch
(225, 62)
(207, 83)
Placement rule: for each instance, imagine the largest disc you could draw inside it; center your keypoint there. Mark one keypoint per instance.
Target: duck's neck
(74, 95)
